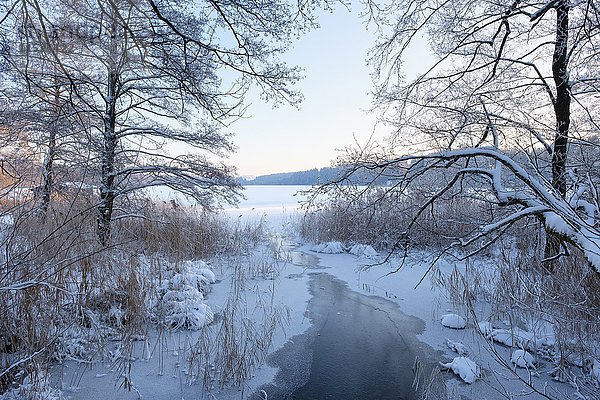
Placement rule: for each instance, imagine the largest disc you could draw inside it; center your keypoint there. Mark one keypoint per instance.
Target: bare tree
(149, 73)
(509, 99)
(40, 113)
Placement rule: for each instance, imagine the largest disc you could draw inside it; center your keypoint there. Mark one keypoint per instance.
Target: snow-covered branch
(532, 192)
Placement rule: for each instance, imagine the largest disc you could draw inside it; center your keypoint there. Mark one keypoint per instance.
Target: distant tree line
(314, 176)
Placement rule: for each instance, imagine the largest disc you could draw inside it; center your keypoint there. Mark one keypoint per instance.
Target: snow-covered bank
(161, 368)
(276, 295)
(498, 376)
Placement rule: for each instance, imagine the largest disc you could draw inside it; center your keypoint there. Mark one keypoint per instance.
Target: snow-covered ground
(498, 377)
(164, 373)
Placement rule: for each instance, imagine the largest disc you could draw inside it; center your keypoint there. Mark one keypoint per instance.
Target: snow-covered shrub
(537, 314)
(363, 250)
(188, 312)
(35, 386)
(73, 347)
(182, 296)
(347, 220)
(379, 217)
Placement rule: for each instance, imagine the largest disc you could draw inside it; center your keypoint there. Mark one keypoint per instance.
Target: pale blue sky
(336, 91)
(336, 94)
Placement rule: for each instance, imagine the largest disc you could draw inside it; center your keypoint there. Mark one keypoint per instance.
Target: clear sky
(336, 94)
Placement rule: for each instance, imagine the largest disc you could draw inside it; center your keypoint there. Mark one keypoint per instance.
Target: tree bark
(107, 182)
(107, 189)
(48, 168)
(562, 111)
(47, 172)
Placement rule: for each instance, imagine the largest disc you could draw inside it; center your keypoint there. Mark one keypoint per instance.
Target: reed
(62, 295)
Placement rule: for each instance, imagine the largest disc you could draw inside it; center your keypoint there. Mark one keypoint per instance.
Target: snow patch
(7, 220)
(208, 274)
(363, 250)
(329, 248)
(596, 370)
(522, 359)
(456, 347)
(486, 329)
(464, 367)
(453, 321)
(517, 337)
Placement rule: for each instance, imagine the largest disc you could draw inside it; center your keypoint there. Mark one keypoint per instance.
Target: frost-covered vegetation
(506, 291)
(101, 103)
(380, 217)
(64, 296)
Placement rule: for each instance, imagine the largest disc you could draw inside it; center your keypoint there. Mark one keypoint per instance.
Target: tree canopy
(155, 83)
(508, 103)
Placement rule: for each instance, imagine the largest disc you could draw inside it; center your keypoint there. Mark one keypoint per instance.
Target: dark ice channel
(359, 347)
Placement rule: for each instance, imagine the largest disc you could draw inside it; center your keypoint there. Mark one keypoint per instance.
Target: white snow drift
(453, 321)
(464, 367)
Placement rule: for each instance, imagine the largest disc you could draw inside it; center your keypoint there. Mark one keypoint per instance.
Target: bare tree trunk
(562, 111)
(107, 182)
(107, 189)
(47, 172)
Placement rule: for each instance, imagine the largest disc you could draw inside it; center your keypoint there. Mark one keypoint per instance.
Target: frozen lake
(270, 199)
(275, 205)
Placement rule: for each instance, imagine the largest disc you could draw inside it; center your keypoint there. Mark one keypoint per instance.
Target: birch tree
(508, 99)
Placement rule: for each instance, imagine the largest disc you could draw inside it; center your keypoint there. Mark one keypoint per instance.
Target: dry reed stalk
(57, 283)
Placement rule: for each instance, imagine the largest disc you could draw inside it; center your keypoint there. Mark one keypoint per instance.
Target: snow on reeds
(62, 295)
(380, 218)
(506, 289)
